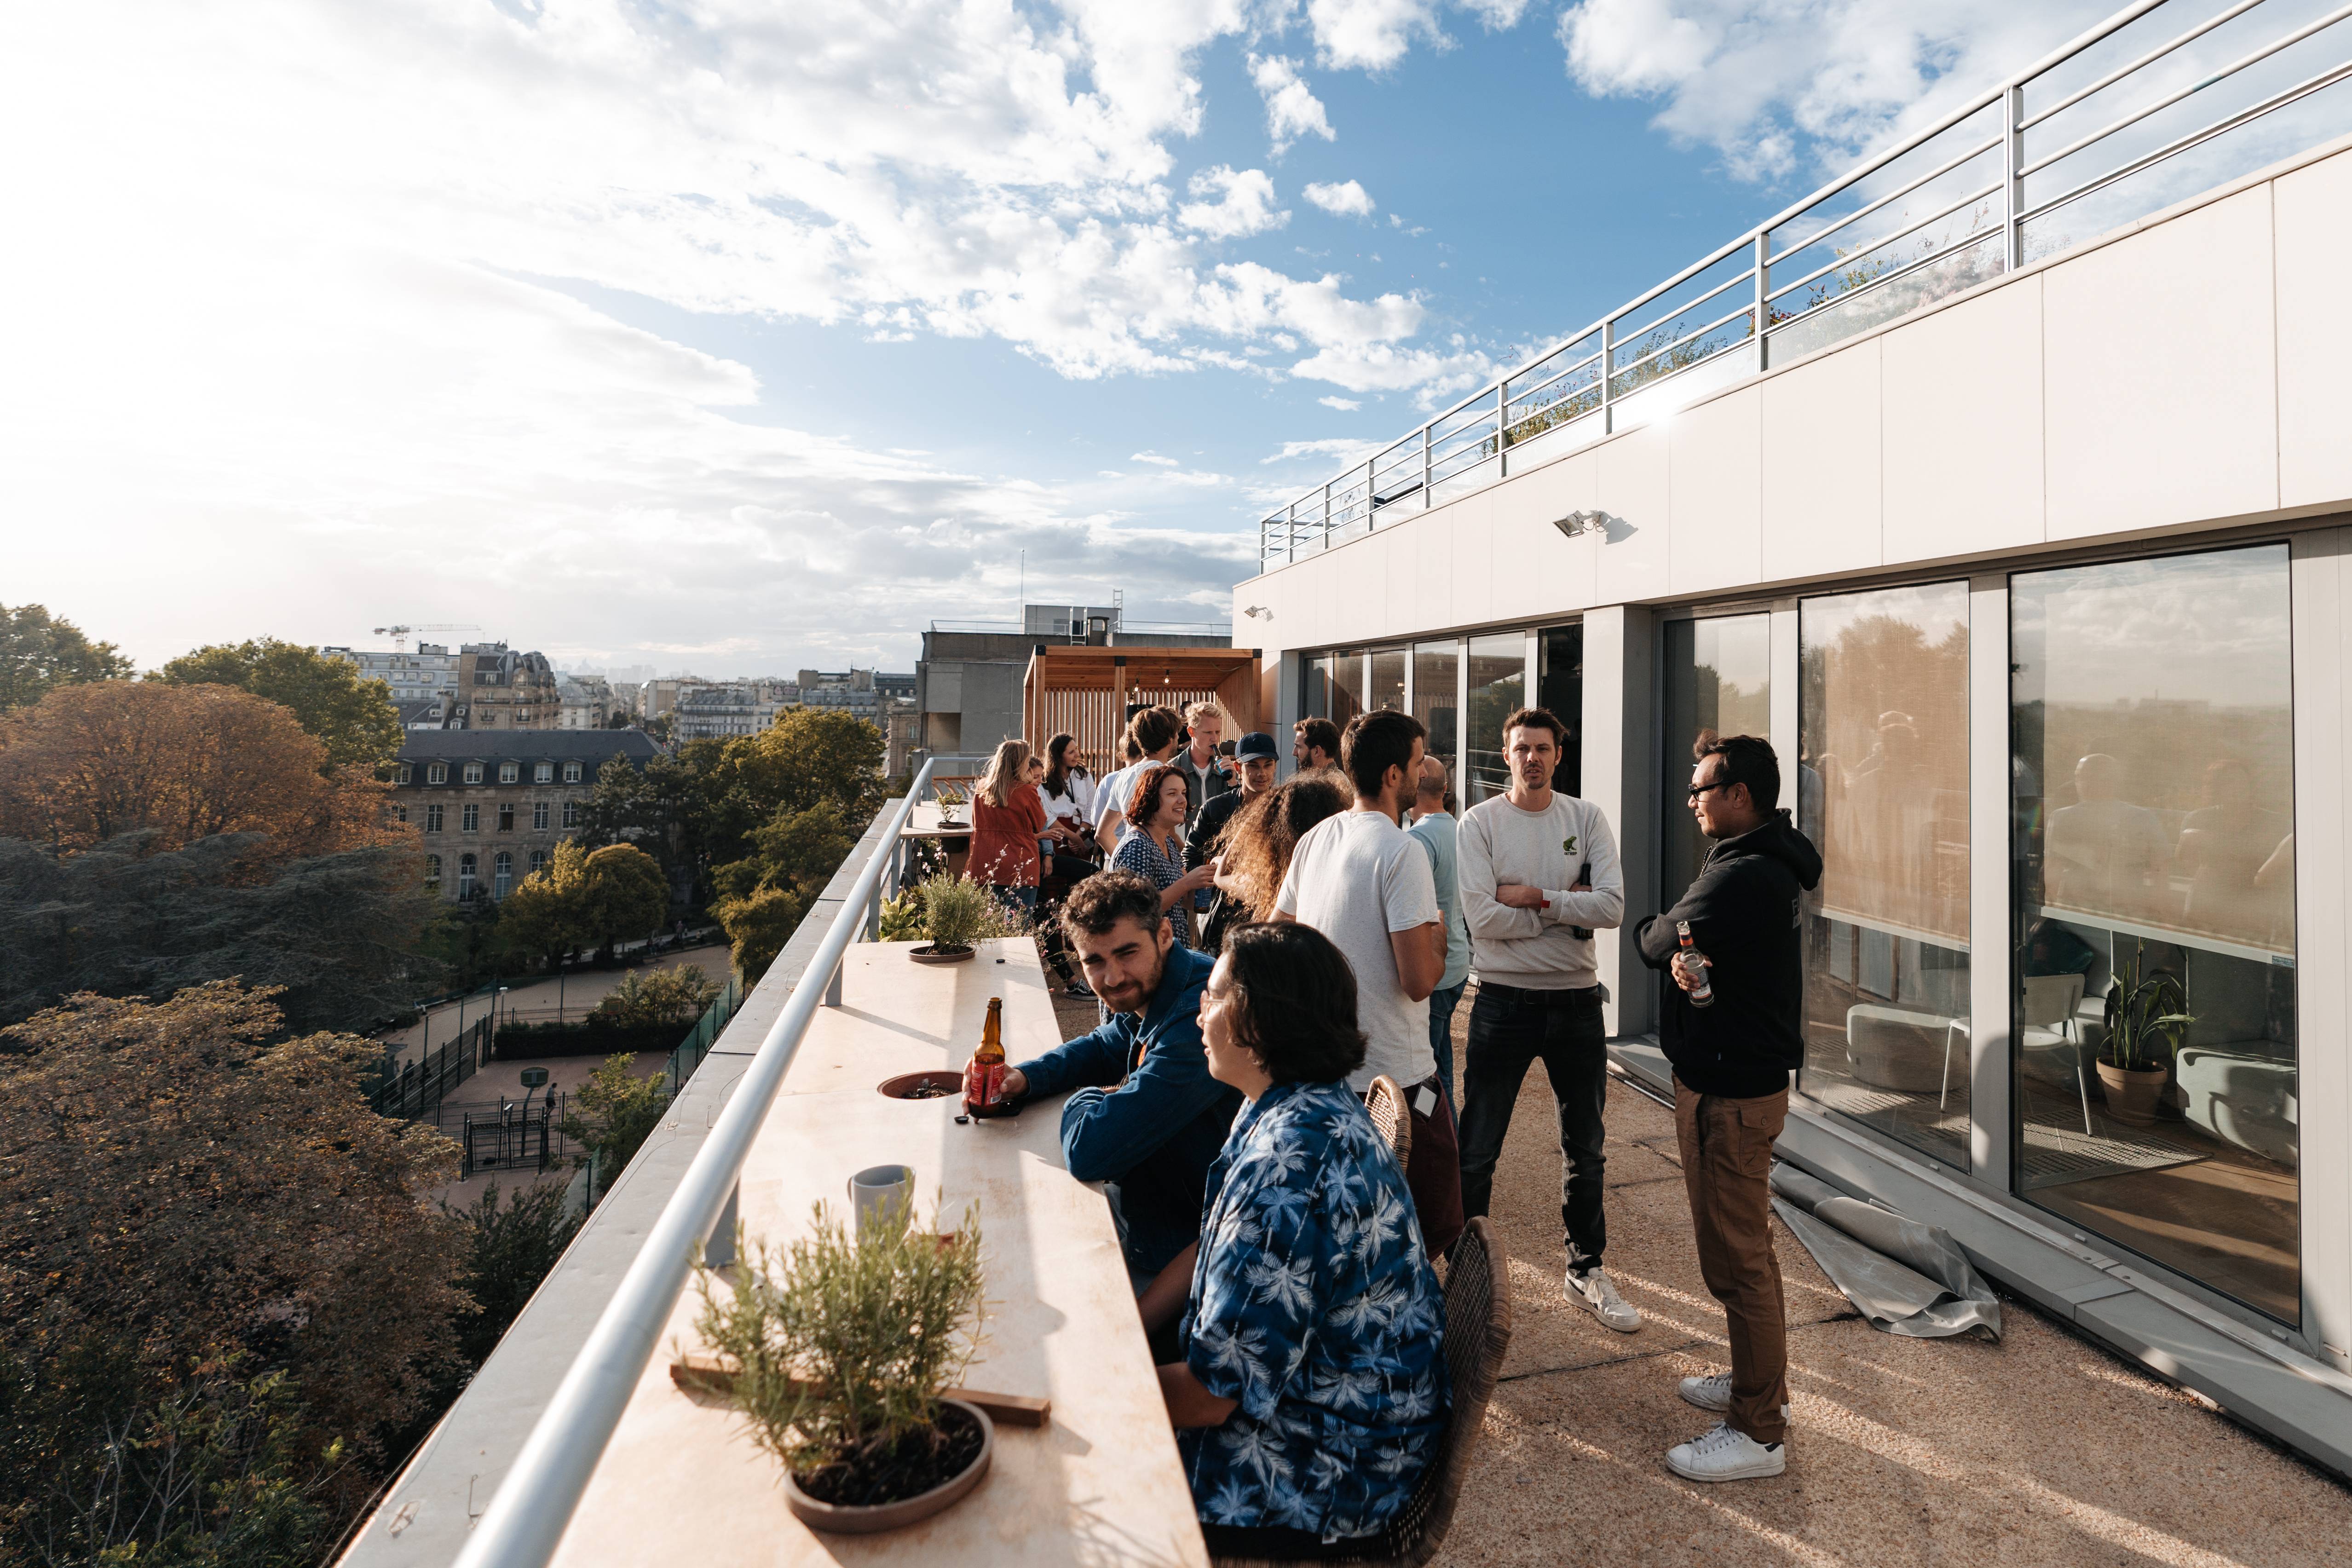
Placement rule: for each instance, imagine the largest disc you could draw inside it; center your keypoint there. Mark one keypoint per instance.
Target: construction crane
(399, 634)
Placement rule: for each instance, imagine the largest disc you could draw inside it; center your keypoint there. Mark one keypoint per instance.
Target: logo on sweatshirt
(1568, 845)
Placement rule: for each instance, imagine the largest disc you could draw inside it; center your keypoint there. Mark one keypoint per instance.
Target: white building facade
(2039, 589)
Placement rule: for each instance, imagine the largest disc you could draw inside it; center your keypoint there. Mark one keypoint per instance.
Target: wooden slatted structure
(1084, 689)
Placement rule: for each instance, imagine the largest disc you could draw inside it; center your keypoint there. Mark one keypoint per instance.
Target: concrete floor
(2043, 1449)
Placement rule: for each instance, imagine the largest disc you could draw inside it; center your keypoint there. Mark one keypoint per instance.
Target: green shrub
(676, 998)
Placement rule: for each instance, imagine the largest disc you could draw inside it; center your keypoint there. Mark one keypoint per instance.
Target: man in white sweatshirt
(1539, 870)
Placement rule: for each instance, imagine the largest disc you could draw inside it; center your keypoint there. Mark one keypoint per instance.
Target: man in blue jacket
(1143, 1116)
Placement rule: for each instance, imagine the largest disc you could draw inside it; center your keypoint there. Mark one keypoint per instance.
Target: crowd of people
(1262, 952)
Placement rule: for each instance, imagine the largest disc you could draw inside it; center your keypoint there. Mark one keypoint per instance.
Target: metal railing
(704, 1034)
(528, 1514)
(2160, 102)
(415, 1090)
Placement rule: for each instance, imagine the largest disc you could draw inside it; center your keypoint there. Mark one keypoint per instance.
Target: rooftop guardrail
(2160, 102)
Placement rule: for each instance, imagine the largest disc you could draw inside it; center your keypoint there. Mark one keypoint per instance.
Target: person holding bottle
(1733, 940)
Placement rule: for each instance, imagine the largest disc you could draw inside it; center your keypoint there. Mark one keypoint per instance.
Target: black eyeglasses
(1698, 790)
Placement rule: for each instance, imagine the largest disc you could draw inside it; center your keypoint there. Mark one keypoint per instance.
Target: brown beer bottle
(990, 1058)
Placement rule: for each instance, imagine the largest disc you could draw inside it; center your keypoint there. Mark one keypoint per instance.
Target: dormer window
(510, 772)
(473, 772)
(543, 773)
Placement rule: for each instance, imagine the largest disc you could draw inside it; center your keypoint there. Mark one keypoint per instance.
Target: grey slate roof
(595, 747)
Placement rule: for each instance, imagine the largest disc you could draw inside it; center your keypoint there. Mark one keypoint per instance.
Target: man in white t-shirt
(1357, 879)
(1540, 871)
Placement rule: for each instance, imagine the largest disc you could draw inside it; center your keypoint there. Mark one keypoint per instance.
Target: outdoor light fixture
(1577, 523)
(1254, 610)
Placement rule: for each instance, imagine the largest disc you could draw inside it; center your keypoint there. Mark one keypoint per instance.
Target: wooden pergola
(1085, 689)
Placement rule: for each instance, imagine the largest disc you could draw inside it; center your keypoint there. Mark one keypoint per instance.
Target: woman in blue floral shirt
(1312, 1393)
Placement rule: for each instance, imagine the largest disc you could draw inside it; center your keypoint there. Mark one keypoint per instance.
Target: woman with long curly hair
(1258, 842)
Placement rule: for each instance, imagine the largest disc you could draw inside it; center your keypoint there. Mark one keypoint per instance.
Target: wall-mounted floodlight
(1577, 523)
(1255, 610)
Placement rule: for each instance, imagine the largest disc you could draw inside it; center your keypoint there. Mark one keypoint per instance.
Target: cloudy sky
(736, 335)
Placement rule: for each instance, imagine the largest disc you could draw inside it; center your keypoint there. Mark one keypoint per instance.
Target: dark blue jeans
(1442, 1003)
(1509, 1030)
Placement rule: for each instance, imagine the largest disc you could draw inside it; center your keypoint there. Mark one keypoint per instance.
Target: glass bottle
(1703, 994)
(989, 1060)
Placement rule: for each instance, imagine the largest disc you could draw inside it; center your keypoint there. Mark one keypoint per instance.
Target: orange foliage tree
(91, 762)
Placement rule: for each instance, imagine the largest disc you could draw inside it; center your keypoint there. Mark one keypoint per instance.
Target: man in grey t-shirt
(1357, 879)
(1433, 828)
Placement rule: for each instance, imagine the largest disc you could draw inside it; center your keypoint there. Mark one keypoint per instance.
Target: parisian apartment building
(491, 805)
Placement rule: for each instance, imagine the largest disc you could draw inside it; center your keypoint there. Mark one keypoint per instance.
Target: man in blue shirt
(1143, 1116)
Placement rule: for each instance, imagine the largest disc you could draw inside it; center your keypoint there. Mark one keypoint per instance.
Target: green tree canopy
(40, 651)
(622, 893)
(809, 756)
(354, 718)
(547, 916)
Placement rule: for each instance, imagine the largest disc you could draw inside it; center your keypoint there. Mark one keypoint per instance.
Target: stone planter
(2133, 1095)
(931, 953)
(869, 1519)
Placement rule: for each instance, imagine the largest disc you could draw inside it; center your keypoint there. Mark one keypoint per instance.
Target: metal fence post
(2012, 182)
(1763, 291)
(1608, 379)
(1424, 467)
(1502, 420)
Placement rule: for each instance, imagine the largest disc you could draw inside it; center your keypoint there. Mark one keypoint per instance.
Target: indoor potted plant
(957, 913)
(839, 1349)
(2145, 1016)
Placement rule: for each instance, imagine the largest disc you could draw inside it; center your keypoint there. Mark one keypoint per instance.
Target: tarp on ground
(1903, 1277)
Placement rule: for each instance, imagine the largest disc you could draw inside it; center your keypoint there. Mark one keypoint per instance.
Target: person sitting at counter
(1312, 1392)
(1144, 1115)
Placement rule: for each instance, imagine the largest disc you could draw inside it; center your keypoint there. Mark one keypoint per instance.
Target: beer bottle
(988, 1062)
(1703, 994)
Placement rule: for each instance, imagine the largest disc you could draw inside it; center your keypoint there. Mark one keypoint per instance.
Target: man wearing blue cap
(1257, 759)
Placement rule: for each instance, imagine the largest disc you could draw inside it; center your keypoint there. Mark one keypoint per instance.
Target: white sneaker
(1713, 1392)
(1597, 1294)
(1725, 1453)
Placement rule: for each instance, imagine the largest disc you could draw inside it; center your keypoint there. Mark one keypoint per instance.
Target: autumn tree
(353, 720)
(612, 1115)
(623, 894)
(92, 763)
(205, 1231)
(808, 757)
(762, 896)
(39, 652)
(547, 915)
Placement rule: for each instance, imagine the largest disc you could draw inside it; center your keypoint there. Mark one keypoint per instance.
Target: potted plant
(840, 1349)
(957, 913)
(952, 800)
(2145, 1016)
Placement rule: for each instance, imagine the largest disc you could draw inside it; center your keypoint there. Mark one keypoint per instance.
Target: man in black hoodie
(1732, 1055)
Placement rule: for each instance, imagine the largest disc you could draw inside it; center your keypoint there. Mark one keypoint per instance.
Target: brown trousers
(1727, 1148)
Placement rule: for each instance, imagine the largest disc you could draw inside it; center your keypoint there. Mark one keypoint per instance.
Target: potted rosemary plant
(957, 913)
(2147, 1014)
(952, 800)
(842, 1345)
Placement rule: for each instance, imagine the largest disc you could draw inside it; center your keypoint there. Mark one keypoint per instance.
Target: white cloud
(1758, 80)
(1292, 109)
(1154, 457)
(1373, 35)
(1233, 205)
(1348, 199)
(1344, 405)
(1347, 447)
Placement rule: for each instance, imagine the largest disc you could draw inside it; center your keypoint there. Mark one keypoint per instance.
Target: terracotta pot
(2132, 1095)
(867, 1519)
(930, 953)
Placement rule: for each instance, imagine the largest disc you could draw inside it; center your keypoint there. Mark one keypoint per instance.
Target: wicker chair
(1391, 1117)
(1477, 1332)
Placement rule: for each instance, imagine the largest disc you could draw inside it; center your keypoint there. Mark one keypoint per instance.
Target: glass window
(1315, 695)
(472, 820)
(1347, 687)
(543, 773)
(466, 876)
(571, 773)
(1559, 687)
(433, 871)
(2151, 720)
(510, 773)
(406, 773)
(1436, 669)
(537, 861)
(433, 818)
(1718, 682)
(502, 875)
(1882, 789)
(436, 773)
(570, 813)
(473, 772)
(538, 815)
(400, 813)
(505, 817)
(1498, 685)
(1388, 680)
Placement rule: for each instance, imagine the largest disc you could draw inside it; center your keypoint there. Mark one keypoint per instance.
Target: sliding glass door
(1718, 682)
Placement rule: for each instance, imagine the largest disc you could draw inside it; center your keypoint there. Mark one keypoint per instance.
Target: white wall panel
(1633, 492)
(2314, 218)
(1715, 488)
(1962, 433)
(2323, 829)
(2160, 375)
(1821, 488)
(1434, 548)
(1473, 595)
(1567, 570)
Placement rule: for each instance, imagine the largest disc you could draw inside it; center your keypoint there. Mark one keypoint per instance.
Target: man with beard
(1143, 1116)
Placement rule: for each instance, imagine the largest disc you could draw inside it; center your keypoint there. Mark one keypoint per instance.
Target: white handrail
(534, 1506)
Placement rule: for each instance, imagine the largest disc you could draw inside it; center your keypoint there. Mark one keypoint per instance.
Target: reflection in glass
(1347, 687)
(1882, 789)
(1388, 680)
(1314, 701)
(1559, 687)
(1718, 682)
(1436, 666)
(2151, 716)
(1498, 684)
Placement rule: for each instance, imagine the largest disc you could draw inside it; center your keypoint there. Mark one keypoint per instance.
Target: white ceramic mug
(878, 1188)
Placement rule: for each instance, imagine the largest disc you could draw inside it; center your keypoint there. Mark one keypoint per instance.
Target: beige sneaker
(1597, 1294)
(1725, 1453)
